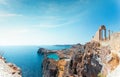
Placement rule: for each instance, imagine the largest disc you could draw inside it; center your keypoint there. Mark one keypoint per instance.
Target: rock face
(42, 51)
(86, 64)
(89, 60)
(9, 69)
(79, 60)
(45, 51)
(49, 68)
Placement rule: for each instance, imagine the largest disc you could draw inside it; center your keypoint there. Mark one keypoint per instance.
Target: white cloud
(3, 2)
(46, 25)
(57, 21)
(8, 15)
(5, 16)
(4, 12)
(55, 25)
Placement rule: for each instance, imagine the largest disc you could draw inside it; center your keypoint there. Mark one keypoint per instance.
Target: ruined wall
(101, 34)
(96, 37)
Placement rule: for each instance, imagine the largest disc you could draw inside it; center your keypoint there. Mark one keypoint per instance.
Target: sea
(27, 58)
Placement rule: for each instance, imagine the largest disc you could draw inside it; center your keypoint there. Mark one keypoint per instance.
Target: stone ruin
(101, 34)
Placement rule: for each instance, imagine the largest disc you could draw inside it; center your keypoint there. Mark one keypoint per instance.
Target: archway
(102, 33)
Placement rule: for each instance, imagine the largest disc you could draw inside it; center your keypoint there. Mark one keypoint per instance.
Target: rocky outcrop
(85, 64)
(79, 60)
(41, 51)
(89, 60)
(45, 51)
(49, 68)
(9, 69)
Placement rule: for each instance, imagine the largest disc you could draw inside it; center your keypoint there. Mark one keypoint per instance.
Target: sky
(51, 22)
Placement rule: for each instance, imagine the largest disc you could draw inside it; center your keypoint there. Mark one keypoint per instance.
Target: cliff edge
(8, 69)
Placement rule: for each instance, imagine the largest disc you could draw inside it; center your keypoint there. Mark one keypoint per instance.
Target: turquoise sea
(27, 59)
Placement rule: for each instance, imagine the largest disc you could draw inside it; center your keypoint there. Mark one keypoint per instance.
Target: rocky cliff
(45, 51)
(79, 60)
(94, 59)
(9, 69)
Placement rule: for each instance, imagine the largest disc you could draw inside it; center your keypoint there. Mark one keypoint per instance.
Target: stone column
(102, 34)
(99, 34)
(105, 34)
(109, 34)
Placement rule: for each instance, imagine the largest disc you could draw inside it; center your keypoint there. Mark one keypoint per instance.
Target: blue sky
(48, 22)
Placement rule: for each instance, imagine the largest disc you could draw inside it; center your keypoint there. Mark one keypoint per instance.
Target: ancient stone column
(109, 34)
(100, 35)
(105, 34)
